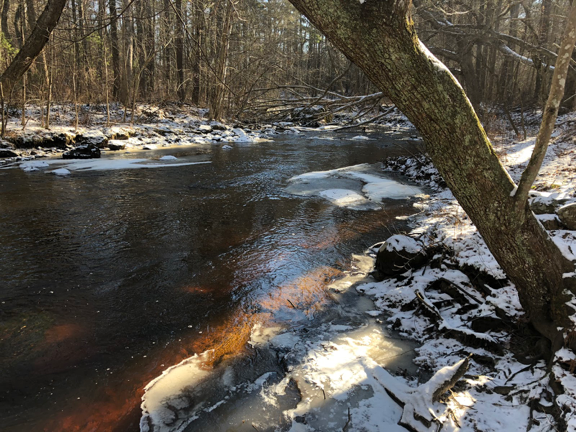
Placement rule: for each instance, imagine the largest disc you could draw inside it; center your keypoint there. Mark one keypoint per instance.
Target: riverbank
(331, 374)
(453, 300)
(457, 301)
(153, 128)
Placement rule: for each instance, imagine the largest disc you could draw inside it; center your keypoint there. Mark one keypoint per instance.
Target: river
(108, 277)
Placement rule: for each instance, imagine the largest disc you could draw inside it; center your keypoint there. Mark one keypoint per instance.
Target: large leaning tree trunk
(379, 37)
(33, 46)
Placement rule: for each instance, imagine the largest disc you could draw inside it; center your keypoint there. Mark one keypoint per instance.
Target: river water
(108, 277)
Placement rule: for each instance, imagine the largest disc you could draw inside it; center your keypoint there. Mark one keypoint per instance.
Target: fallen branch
(418, 415)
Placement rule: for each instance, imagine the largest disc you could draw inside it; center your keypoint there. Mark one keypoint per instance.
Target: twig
(345, 428)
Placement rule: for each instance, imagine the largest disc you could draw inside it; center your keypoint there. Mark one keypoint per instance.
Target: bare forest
(254, 59)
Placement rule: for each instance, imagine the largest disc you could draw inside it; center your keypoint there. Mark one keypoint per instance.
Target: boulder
(218, 126)
(567, 215)
(26, 141)
(6, 153)
(550, 222)
(397, 255)
(94, 140)
(545, 204)
(88, 151)
(205, 129)
(58, 140)
(116, 145)
(163, 131)
(6, 145)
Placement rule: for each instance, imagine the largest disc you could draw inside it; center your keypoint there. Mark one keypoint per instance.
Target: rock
(26, 141)
(60, 140)
(205, 128)
(218, 126)
(6, 145)
(306, 116)
(542, 204)
(397, 255)
(115, 145)
(88, 151)
(118, 135)
(567, 215)
(6, 153)
(550, 221)
(94, 140)
(163, 131)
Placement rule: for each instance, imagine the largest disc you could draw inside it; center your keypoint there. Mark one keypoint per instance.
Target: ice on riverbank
(105, 164)
(358, 187)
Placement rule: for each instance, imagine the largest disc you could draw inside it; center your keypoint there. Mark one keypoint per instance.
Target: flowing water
(108, 277)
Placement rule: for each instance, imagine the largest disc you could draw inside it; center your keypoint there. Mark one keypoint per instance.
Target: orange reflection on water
(116, 408)
(307, 293)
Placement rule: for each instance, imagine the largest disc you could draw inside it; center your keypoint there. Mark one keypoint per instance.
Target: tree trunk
(33, 46)
(199, 35)
(543, 30)
(380, 38)
(114, 48)
(181, 89)
(5, 29)
(217, 96)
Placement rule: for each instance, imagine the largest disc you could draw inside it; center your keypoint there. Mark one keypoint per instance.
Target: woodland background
(246, 59)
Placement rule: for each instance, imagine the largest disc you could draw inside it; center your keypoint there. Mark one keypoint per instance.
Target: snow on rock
(242, 137)
(168, 157)
(60, 172)
(400, 242)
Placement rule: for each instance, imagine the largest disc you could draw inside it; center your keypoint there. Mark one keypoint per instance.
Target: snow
(344, 198)
(167, 388)
(60, 172)
(358, 187)
(168, 157)
(104, 164)
(29, 166)
(402, 243)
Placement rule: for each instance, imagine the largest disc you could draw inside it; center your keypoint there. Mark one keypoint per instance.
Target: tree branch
(520, 193)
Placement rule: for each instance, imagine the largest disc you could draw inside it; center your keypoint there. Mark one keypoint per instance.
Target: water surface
(109, 277)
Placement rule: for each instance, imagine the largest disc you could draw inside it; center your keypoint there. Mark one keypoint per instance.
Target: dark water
(109, 277)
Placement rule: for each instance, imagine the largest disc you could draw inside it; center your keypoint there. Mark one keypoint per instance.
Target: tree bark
(181, 89)
(114, 48)
(4, 21)
(33, 46)
(380, 38)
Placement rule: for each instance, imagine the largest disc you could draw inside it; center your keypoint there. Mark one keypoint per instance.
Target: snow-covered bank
(154, 128)
(461, 302)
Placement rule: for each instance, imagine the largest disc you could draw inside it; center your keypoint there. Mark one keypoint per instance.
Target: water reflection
(108, 277)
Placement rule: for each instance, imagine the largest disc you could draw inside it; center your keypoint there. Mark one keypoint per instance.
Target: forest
(287, 215)
(242, 59)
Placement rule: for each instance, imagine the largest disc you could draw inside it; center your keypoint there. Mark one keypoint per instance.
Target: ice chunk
(60, 172)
